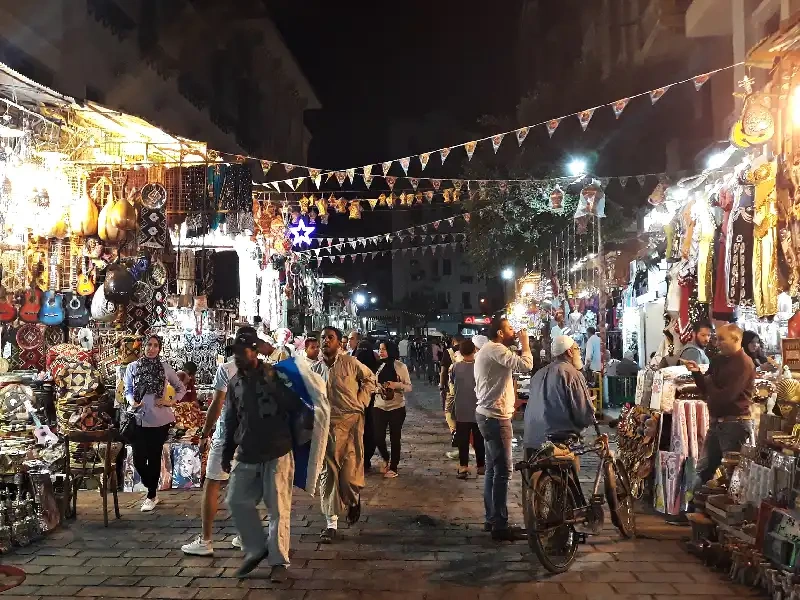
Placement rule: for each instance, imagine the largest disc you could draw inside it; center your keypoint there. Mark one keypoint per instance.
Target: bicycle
(554, 503)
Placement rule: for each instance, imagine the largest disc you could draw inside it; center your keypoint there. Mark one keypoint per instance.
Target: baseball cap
(561, 344)
(246, 337)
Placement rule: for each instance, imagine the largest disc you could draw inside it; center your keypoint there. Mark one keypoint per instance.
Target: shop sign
(477, 320)
(790, 350)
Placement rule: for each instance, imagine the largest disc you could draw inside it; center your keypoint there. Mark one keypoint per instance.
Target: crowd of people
(248, 432)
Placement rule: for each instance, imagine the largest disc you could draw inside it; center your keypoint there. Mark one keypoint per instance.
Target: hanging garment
(225, 291)
(706, 230)
(765, 250)
(721, 309)
(740, 282)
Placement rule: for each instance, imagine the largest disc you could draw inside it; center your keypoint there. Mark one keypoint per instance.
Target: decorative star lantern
(301, 233)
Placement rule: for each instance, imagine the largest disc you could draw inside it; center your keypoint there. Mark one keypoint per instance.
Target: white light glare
(361, 299)
(507, 273)
(577, 166)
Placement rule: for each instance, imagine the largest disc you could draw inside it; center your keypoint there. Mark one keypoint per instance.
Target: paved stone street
(420, 537)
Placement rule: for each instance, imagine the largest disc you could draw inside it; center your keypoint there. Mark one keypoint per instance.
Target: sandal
(327, 536)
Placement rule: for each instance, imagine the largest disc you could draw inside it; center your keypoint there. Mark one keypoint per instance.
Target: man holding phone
(494, 387)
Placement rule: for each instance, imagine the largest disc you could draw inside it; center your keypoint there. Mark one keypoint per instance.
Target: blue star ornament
(301, 233)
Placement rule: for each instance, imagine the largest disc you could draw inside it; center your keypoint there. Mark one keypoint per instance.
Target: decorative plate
(30, 336)
(142, 293)
(158, 274)
(154, 196)
(53, 336)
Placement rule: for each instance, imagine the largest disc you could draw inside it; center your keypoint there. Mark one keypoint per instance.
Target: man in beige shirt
(350, 385)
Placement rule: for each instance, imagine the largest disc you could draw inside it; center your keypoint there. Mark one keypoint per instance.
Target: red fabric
(720, 308)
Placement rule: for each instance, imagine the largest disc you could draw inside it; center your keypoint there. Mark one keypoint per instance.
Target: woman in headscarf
(145, 385)
(751, 344)
(390, 405)
(365, 354)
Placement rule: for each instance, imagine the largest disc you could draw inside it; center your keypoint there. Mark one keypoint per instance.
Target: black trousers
(394, 420)
(147, 451)
(369, 434)
(463, 430)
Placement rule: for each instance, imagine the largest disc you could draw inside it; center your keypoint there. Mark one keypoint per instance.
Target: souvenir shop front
(731, 239)
(112, 230)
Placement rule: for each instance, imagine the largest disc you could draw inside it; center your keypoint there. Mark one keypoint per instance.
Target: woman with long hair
(390, 405)
(751, 344)
(146, 381)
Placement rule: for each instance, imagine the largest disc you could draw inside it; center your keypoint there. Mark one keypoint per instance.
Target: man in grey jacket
(559, 398)
(257, 429)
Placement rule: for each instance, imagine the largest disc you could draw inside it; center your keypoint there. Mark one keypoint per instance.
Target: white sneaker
(148, 505)
(198, 547)
(452, 454)
(237, 542)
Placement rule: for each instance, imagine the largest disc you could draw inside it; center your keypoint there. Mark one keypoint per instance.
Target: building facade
(215, 72)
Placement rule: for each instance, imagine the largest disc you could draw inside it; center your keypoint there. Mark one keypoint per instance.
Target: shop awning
(785, 41)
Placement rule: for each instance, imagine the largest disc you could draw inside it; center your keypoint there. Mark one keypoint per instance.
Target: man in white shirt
(353, 340)
(594, 353)
(494, 388)
(402, 348)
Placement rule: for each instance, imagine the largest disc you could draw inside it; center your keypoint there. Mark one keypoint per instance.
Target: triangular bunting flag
(405, 162)
(319, 262)
(353, 245)
(367, 170)
(341, 258)
(470, 148)
(623, 181)
(405, 251)
(372, 202)
(386, 166)
(467, 217)
(266, 165)
(289, 167)
(414, 182)
(450, 221)
(414, 250)
(424, 158)
(367, 180)
(436, 224)
(328, 176)
(316, 177)
(436, 183)
(700, 80)
(388, 237)
(394, 252)
(552, 125)
(390, 181)
(641, 179)
(522, 133)
(332, 258)
(276, 185)
(457, 183)
(340, 177)
(604, 181)
(584, 117)
(497, 140)
(423, 238)
(619, 106)
(373, 254)
(350, 174)
(330, 242)
(453, 245)
(655, 95)
(444, 153)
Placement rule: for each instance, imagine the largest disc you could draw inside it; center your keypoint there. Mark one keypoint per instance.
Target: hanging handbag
(128, 426)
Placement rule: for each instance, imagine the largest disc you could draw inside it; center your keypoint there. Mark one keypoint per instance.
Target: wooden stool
(107, 471)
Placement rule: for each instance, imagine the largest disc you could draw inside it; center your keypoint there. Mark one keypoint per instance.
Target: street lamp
(507, 274)
(360, 299)
(577, 166)
(373, 299)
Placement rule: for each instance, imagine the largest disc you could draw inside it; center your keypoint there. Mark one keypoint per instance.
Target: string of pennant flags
(375, 253)
(365, 172)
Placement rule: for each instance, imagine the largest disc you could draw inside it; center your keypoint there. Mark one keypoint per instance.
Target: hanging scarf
(386, 372)
(149, 378)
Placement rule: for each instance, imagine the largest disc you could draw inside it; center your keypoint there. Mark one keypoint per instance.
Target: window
(467, 279)
(447, 267)
(466, 300)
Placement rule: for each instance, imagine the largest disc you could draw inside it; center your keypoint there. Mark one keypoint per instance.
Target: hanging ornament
(456, 195)
(424, 158)
(552, 125)
(390, 181)
(444, 153)
(556, 198)
(355, 209)
(447, 194)
(340, 177)
(584, 117)
(656, 95)
(497, 140)
(382, 199)
(700, 80)
(414, 181)
(591, 201)
(619, 106)
(304, 202)
(403, 199)
(341, 205)
(470, 148)
(386, 166)
(390, 201)
(522, 133)
(405, 162)
(429, 196)
(757, 120)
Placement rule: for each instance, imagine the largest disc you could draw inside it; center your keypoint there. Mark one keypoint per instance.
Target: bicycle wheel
(620, 498)
(546, 501)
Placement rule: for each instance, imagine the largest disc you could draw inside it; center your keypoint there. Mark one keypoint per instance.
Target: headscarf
(149, 378)
(387, 371)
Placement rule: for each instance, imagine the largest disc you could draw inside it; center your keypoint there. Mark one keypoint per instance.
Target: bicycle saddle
(566, 438)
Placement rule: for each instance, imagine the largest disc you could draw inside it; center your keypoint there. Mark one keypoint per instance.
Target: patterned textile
(149, 378)
(689, 427)
(668, 480)
(202, 349)
(60, 354)
(152, 228)
(31, 359)
(76, 379)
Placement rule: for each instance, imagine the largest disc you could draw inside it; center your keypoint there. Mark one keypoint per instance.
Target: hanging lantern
(658, 195)
(556, 198)
(304, 202)
(341, 205)
(355, 209)
(757, 120)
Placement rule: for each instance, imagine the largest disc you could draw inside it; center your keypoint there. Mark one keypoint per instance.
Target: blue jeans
(497, 437)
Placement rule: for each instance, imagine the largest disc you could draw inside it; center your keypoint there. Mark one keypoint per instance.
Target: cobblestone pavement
(419, 537)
